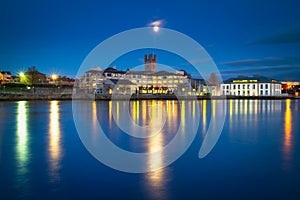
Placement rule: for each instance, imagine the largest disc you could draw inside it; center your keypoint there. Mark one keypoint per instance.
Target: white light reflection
(22, 137)
(54, 148)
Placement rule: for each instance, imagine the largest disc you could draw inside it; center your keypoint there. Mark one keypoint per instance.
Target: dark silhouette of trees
(33, 76)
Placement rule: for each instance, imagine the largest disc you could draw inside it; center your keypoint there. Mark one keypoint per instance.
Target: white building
(251, 86)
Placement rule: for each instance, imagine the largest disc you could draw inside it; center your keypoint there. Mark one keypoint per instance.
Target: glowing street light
(54, 76)
(21, 74)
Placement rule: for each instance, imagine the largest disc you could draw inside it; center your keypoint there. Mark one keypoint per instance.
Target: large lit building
(251, 86)
(148, 81)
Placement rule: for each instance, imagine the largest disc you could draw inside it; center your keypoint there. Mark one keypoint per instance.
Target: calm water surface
(257, 155)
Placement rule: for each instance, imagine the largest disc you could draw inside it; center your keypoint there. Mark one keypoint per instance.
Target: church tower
(150, 63)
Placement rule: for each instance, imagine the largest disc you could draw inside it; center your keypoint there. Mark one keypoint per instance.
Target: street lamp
(54, 77)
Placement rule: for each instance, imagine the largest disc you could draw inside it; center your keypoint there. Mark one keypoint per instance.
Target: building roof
(113, 70)
(254, 79)
(96, 69)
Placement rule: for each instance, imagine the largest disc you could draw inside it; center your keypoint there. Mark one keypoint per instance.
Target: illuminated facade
(148, 81)
(251, 86)
(159, 82)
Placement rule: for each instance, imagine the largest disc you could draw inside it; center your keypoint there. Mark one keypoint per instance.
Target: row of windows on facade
(143, 81)
(93, 75)
(262, 92)
(262, 86)
(94, 85)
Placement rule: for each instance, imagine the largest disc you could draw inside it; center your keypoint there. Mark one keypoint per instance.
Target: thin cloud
(287, 37)
(271, 61)
(277, 72)
(160, 23)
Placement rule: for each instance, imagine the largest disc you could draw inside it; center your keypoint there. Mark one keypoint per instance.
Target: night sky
(243, 37)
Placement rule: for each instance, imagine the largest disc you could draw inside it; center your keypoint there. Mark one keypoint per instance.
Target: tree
(213, 79)
(33, 76)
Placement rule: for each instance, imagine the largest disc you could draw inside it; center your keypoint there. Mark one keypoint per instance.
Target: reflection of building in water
(251, 86)
(287, 145)
(54, 140)
(22, 137)
(155, 145)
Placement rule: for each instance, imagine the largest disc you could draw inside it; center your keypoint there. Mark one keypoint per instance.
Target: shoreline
(65, 97)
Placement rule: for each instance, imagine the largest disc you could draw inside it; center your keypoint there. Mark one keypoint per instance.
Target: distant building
(251, 86)
(1, 77)
(5, 77)
(290, 87)
(91, 80)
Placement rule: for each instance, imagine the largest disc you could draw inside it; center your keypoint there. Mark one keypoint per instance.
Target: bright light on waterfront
(156, 28)
(54, 76)
(21, 74)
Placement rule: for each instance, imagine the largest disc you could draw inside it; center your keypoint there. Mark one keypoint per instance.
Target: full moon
(156, 28)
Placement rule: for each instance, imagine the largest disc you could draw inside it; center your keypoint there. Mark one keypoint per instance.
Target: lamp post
(54, 78)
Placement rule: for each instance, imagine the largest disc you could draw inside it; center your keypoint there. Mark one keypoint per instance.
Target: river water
(42, 155)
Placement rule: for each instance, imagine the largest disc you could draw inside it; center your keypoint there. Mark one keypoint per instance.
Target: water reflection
(54, 141)
(203, 117)
(155, 144)
(287, 145)
(22, 137)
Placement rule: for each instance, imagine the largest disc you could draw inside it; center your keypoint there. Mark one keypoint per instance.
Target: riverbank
(48, 97)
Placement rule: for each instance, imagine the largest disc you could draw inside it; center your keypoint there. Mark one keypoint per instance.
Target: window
(253, 86)
(266, 86)
(238, 86)
(261, 86)
(234, 87)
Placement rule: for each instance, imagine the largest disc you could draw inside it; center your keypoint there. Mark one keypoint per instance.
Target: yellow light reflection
(182, 113)
(137, 111)
(134, 111)
(94, 120)
(193, 108)
(22, 136)
(144, 112)
(204, 116)
(110, 113)
(54, 140)
(213, 102)
(230, 109)
(287, 146)
(155, 145)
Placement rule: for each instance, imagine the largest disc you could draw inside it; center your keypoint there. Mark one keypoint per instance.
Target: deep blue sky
(243, 37)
